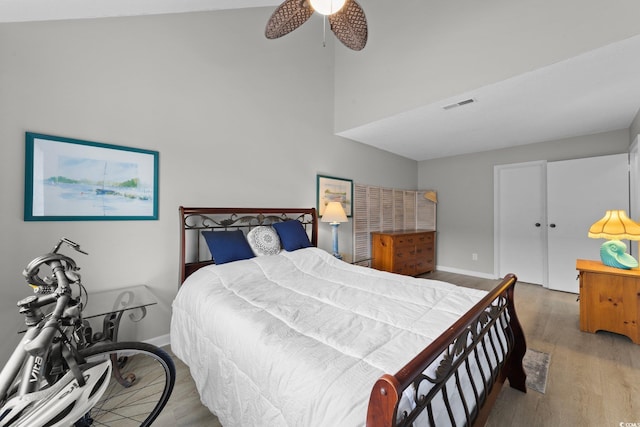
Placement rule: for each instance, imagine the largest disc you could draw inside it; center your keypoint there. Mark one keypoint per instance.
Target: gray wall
(465, 194)
(423, 51)
(238, 120)
(634, 129)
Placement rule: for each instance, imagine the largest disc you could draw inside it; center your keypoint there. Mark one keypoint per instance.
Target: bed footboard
(472, 359)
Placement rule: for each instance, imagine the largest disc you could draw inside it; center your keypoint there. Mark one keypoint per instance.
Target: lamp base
(334, 234)
(613, 254)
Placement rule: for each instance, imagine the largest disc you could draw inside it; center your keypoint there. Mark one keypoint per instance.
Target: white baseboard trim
(160, 341)
(466, 272)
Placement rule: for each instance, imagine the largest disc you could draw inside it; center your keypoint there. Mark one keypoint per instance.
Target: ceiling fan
(346, 18)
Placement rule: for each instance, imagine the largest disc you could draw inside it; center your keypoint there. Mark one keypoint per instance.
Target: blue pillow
(227, 246)
(292, 235)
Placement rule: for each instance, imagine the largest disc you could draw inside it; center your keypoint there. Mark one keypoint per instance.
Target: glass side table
(112, 304)
(364, 262)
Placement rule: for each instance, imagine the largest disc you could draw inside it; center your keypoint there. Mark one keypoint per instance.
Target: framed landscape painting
(332, 189)
(69, 179)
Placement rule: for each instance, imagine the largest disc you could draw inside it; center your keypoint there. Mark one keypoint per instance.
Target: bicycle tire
(139, 403)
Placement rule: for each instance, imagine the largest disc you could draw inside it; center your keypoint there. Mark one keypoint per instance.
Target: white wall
(423, 51)
(465, 193)
(238, 120)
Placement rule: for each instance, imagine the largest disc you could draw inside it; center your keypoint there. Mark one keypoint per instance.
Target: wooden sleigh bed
(454, 380)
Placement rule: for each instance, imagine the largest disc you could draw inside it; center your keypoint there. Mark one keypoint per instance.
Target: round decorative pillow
(264, 241)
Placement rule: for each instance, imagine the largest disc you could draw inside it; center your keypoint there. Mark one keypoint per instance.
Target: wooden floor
(594, 379)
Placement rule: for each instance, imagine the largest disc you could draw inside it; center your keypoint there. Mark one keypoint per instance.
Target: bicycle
(59, 376)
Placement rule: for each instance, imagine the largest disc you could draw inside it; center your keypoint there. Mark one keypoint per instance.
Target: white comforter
(299, 339)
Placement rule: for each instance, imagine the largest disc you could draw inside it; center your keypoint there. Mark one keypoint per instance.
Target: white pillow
(264, 241)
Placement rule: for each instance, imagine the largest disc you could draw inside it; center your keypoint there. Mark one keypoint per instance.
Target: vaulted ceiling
(44, 10)
(603, 87)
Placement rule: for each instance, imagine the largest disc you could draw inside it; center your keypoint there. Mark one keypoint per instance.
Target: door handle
(552, 225)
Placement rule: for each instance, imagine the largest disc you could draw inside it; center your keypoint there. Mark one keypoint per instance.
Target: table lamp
(334, 214)
(616, 225)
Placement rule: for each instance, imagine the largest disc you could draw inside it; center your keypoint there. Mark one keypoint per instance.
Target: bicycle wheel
(140, 386)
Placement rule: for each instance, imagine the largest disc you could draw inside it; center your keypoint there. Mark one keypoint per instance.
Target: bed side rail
(488, 336)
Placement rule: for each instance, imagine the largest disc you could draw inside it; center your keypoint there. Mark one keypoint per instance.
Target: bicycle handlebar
(70, 243)
(31, 272)
(63, 269)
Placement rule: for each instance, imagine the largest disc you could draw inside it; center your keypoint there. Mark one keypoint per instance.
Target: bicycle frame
(16, 362)
(57, 376)
(25, 368)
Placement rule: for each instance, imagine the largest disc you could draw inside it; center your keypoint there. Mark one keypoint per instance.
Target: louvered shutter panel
(375, 211)
(398, 209)
(409, 202)
(387, 209)
(361, 239)
(426, 212)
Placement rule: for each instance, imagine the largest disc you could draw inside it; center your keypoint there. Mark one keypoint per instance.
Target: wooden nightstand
(609, 299)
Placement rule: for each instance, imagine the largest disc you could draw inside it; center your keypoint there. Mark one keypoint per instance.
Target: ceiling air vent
(459, 104)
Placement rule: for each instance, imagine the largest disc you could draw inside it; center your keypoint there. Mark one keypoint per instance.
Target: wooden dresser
(609, 299)
(409, 252)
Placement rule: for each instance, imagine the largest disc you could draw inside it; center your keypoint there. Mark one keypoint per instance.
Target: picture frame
(75, 180)
(333, 189)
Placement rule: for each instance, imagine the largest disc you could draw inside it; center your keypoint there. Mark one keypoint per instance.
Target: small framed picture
(332, 189)
(72, 180)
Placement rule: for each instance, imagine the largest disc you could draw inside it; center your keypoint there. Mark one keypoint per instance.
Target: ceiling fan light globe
(327, 7)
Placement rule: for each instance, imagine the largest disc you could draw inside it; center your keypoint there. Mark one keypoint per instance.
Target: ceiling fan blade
(350, 25)
(287, 17)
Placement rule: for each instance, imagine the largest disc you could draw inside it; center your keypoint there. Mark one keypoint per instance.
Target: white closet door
(579, 192)
(520, 221)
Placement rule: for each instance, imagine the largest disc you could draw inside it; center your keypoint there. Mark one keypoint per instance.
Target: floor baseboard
(160, 341)
(466, 272)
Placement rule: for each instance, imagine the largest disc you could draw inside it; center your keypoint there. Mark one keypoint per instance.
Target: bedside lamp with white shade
(334, 214)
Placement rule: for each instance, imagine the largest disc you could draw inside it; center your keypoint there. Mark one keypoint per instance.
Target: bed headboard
(194, 252)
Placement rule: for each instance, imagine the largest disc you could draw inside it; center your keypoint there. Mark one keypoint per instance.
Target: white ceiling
(595, 92)
(45, 10)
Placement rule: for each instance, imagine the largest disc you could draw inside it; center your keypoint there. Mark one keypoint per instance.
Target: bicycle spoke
(141, 402)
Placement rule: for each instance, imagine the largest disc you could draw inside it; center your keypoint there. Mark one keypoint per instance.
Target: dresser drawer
(407, 241)
(406, 268)
(424, 266)
(424, 250)
(425, 239)
(404, 253)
